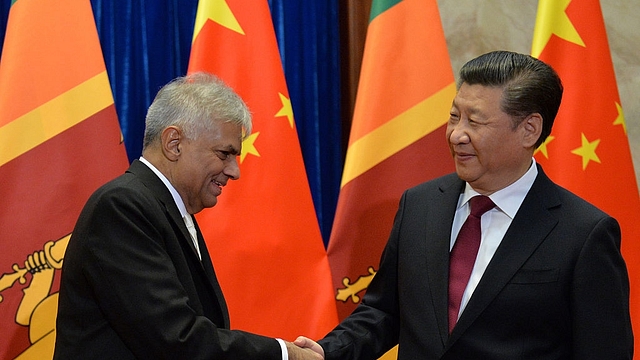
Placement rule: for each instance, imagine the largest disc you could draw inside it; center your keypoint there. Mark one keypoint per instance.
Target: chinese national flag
(588, 150)
(59, 141)
(397, 137)
(263, 235)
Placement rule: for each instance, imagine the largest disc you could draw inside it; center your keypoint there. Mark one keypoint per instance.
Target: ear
(171, 142)
(532, 126)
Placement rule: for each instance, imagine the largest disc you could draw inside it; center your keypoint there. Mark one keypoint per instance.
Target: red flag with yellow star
(59, 141)
(588, 150)
(263, 235)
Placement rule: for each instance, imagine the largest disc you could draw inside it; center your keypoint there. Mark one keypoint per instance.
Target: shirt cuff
(283, 347)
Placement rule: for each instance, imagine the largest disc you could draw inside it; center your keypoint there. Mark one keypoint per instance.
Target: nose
(232, 169)
(457, 133)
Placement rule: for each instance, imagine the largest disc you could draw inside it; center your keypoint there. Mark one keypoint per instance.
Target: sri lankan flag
(59, 141)
(263, 235)
(397, 137)
(588, 150)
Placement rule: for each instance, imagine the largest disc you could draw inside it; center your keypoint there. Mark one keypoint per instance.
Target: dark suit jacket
(133, 287)
(556, 288)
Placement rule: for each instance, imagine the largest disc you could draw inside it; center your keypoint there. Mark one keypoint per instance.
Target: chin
(211, 203)
(468, 172)
(464, 175)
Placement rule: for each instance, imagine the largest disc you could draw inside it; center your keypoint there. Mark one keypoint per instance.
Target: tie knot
(480, 204)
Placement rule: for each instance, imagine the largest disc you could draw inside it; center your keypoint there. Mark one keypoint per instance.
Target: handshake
(304, 348)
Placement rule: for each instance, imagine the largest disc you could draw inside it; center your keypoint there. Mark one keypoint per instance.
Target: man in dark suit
(548, 280)
(137, 280)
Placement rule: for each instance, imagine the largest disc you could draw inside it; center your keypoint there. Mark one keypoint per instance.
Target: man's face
(488, 152)
(206, 164)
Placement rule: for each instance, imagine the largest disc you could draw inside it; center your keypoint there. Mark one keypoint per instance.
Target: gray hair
(529, 85)
(194, 103)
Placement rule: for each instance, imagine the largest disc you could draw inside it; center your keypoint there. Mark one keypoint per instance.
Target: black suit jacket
(556, 288)
(133, 286)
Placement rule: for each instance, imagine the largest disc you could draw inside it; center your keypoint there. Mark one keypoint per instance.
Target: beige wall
(473, 27)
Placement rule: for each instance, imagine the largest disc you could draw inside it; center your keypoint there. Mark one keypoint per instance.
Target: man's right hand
(305, 349)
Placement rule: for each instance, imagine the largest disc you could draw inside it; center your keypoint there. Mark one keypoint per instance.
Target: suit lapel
(207, 265)
(156, 185)
(527, 231)
(204, 267)
(437, 242)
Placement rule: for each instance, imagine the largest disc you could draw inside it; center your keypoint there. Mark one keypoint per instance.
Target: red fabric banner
(397, 138)
(263, 235)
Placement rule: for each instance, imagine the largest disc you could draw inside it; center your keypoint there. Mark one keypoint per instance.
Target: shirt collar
(174, 193)
(509, 199)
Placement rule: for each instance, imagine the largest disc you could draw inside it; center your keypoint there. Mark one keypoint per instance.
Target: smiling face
(488, 151)
(205, 164)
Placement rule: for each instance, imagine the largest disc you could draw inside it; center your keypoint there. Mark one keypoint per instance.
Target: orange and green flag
(59, 141)
(588, 150)
(263, 235)
(397, 136)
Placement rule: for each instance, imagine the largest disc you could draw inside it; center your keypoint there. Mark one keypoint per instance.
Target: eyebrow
(233, 150)
(471, 110)
(230, 149)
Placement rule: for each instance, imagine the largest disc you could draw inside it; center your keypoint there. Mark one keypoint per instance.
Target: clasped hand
(304, 348)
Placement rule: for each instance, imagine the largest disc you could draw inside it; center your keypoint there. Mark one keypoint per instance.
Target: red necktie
(463, 255)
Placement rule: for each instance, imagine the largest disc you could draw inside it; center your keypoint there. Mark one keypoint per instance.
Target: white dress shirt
(494, 223)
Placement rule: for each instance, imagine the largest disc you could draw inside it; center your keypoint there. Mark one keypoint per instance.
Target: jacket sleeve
(126, 286)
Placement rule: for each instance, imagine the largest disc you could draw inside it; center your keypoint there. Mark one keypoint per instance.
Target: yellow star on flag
(248, 146)
(217, 11)
(286, 109)
(552, 19)
(587, 151)
(543, 147)
(620, 119)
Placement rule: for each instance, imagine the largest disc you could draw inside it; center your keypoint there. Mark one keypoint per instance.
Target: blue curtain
(146, 43)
